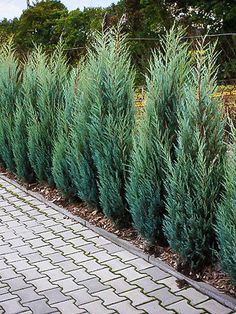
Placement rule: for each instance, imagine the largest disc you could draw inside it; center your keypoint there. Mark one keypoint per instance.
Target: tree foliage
(112, 120)
(42, 126)
(9, 89)
(145, 190)
(226, 215)
(195, 178)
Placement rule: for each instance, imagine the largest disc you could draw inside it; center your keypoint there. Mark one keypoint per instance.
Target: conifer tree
(226, 215)
(26, 99)
(195, 178)
(157, 131)
(60, 164)
(9, 89)
(83, 172)
(51, 74)
(112, 121)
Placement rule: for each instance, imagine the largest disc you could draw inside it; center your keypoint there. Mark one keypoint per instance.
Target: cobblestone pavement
(51, 264)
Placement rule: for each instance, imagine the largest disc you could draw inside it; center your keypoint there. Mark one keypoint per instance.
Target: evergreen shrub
(194, 181)
(9, 89)
(112, 120)
(226, 215)
(52, 74)
(157, 132)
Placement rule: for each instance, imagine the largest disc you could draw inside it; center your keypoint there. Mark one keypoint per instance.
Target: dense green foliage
(9, 89)
(43, 113)
(195, 179)
(112, 120)
(226, 216)
(60, 165)
(145, 191)
(82, 169)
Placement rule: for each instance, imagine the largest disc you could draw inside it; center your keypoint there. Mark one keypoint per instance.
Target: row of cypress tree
(168, 174)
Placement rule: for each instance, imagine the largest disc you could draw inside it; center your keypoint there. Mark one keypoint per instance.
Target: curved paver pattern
(52, 264)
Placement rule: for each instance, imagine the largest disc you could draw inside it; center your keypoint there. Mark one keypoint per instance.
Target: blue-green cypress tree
(195, 178)
(226, 215)
(81, 166)
(26, 99)
(157, 131)
(60, 164)
(9, 89)
(112, 121)
(51, 74)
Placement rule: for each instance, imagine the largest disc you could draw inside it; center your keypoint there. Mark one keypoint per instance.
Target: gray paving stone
(125, 307)
(67, 235)
(78, 242)
(79, 257)
(156, 273)
(68, 249)
(111, 247)
(45, 265)
(80, 274)
(87, 234)
(35, 257)
(137, 297)
(102, 256)
(67, 285)
(57, 257)
(57, 242)
(54, 296)
(78, 228)
(139, 264)
(125, 255)
(17, 284)
(193, 295)
(42, 284)
(25, 249)
(13, 306)
(68, 307)
(48, 235)
(214, 307)
(96, 307)
(56, 274)
(8, 273)
(165, 296)
(35, 243)
(58, 228)
(40, 307)
(21, 265)
(94, 285)
(109, 297)
(90, 248)
(46, 250)
(105, 275)
(115, 264)
(92, 265)
(99, 241)
(82, 296)
(120, 285)
(39, 229)
(130, 274)
(7, 296)
(147, 284)
(155, 308)
(32, 273)
(183, 307)
(6, 249)
(67, 265)
(28, 294)
(171, 283)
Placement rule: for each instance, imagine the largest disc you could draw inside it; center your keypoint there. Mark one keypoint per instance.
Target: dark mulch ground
(211, 274)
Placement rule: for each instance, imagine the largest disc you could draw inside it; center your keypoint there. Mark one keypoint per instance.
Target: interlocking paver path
(52, 264)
